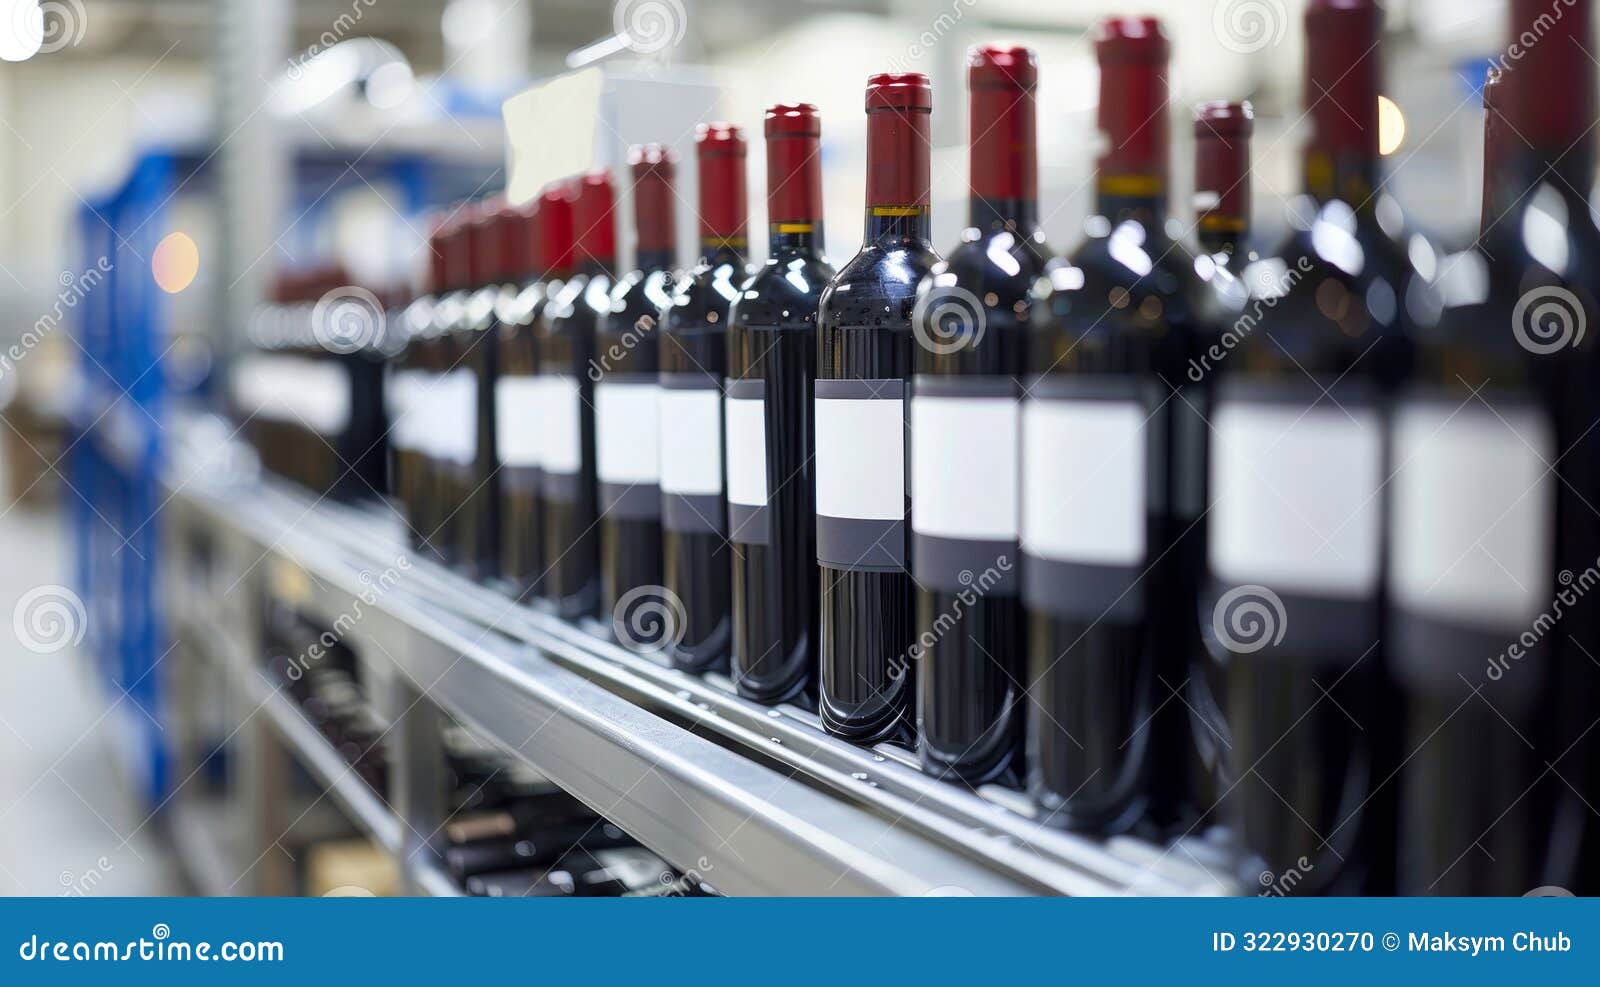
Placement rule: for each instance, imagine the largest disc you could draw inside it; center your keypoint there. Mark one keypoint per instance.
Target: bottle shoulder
(876, 276)
(782, 291)
(704, 296)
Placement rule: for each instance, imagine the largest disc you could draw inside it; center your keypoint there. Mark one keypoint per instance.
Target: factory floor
(70, 822)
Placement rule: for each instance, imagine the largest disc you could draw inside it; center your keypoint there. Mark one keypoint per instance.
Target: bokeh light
(175, 262)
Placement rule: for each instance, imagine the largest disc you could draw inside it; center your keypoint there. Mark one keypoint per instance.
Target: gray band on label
(951, 565)
(1087, 593)
(631, 501)
(693, 514)
(750, 525)
(862, 545)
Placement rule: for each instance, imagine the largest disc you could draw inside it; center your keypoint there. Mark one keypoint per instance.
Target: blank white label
(312, 393)
(747, 451)
(626, 432)
(691, 441)
(1474, 507)
(1296, 497)
(455, 416)
(964, 467)
(561, 422)
(1083, 481)
(861, 459)
(517, 423)
(402, 394)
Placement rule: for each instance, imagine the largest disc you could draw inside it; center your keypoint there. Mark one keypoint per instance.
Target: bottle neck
(1566, 175)
(1351, 177)
(718, 250)
(1017, 215)
(1132, 198)
(794, 239)
(903, 224)
(656, 259)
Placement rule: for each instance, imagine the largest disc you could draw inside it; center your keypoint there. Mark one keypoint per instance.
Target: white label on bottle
(964, 467)
(402, 393)
(691, 441)
(1296, 494)
(747, 451)
(1083, 481)
(861, 458)
(455, 422)
(1474, 509)
(518, 425)
(626, 432)
(561, 416)
(312, 393)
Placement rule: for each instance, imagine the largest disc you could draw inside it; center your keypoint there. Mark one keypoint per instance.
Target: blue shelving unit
(116, 429)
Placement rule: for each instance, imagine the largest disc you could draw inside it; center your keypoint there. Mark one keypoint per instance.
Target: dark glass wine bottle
(1294, 594)
(443, 419)
(406, 392)
(772, 370)
(864, 365)
(571, 579)
(1103, 467)
(1222, 134)
(694, 361)
(627, 390)
(1478, 527)
(477, 526)
(970, 328)
(547, 235)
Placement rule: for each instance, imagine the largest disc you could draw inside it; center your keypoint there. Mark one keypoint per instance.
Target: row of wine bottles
(1169, 534)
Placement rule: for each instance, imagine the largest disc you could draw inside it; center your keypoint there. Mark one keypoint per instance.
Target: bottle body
(694, 523)
(626, 376)
(772, 369)
(972, 315)
(518, 423)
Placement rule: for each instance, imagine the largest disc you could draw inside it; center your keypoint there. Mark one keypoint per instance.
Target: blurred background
(204, 148)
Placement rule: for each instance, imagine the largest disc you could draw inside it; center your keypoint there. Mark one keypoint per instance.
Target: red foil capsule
(554, 253)
(724, 201)
(483, 242)
(794, 164)
(518, 238)
(1344, 72)
(1133, 53)
(438, 277)
(456, 246)
(594, 220)
(654, 206)
(1003, 122)
(1222, 164)
(1551, 94)
(899, 112)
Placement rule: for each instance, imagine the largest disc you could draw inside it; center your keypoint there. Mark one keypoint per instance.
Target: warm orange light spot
(175, 262)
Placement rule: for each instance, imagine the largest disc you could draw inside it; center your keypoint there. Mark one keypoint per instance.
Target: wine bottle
(864, 362)
(626, 373)
(519, 423)
(406, 390)
(473, 418)
(566, 405)
(970, 327)
(443, 420)
(1222, 134)
(694, 360)
(1113, 323)
(1294, 597)
(772, 370)
(1478, 529)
